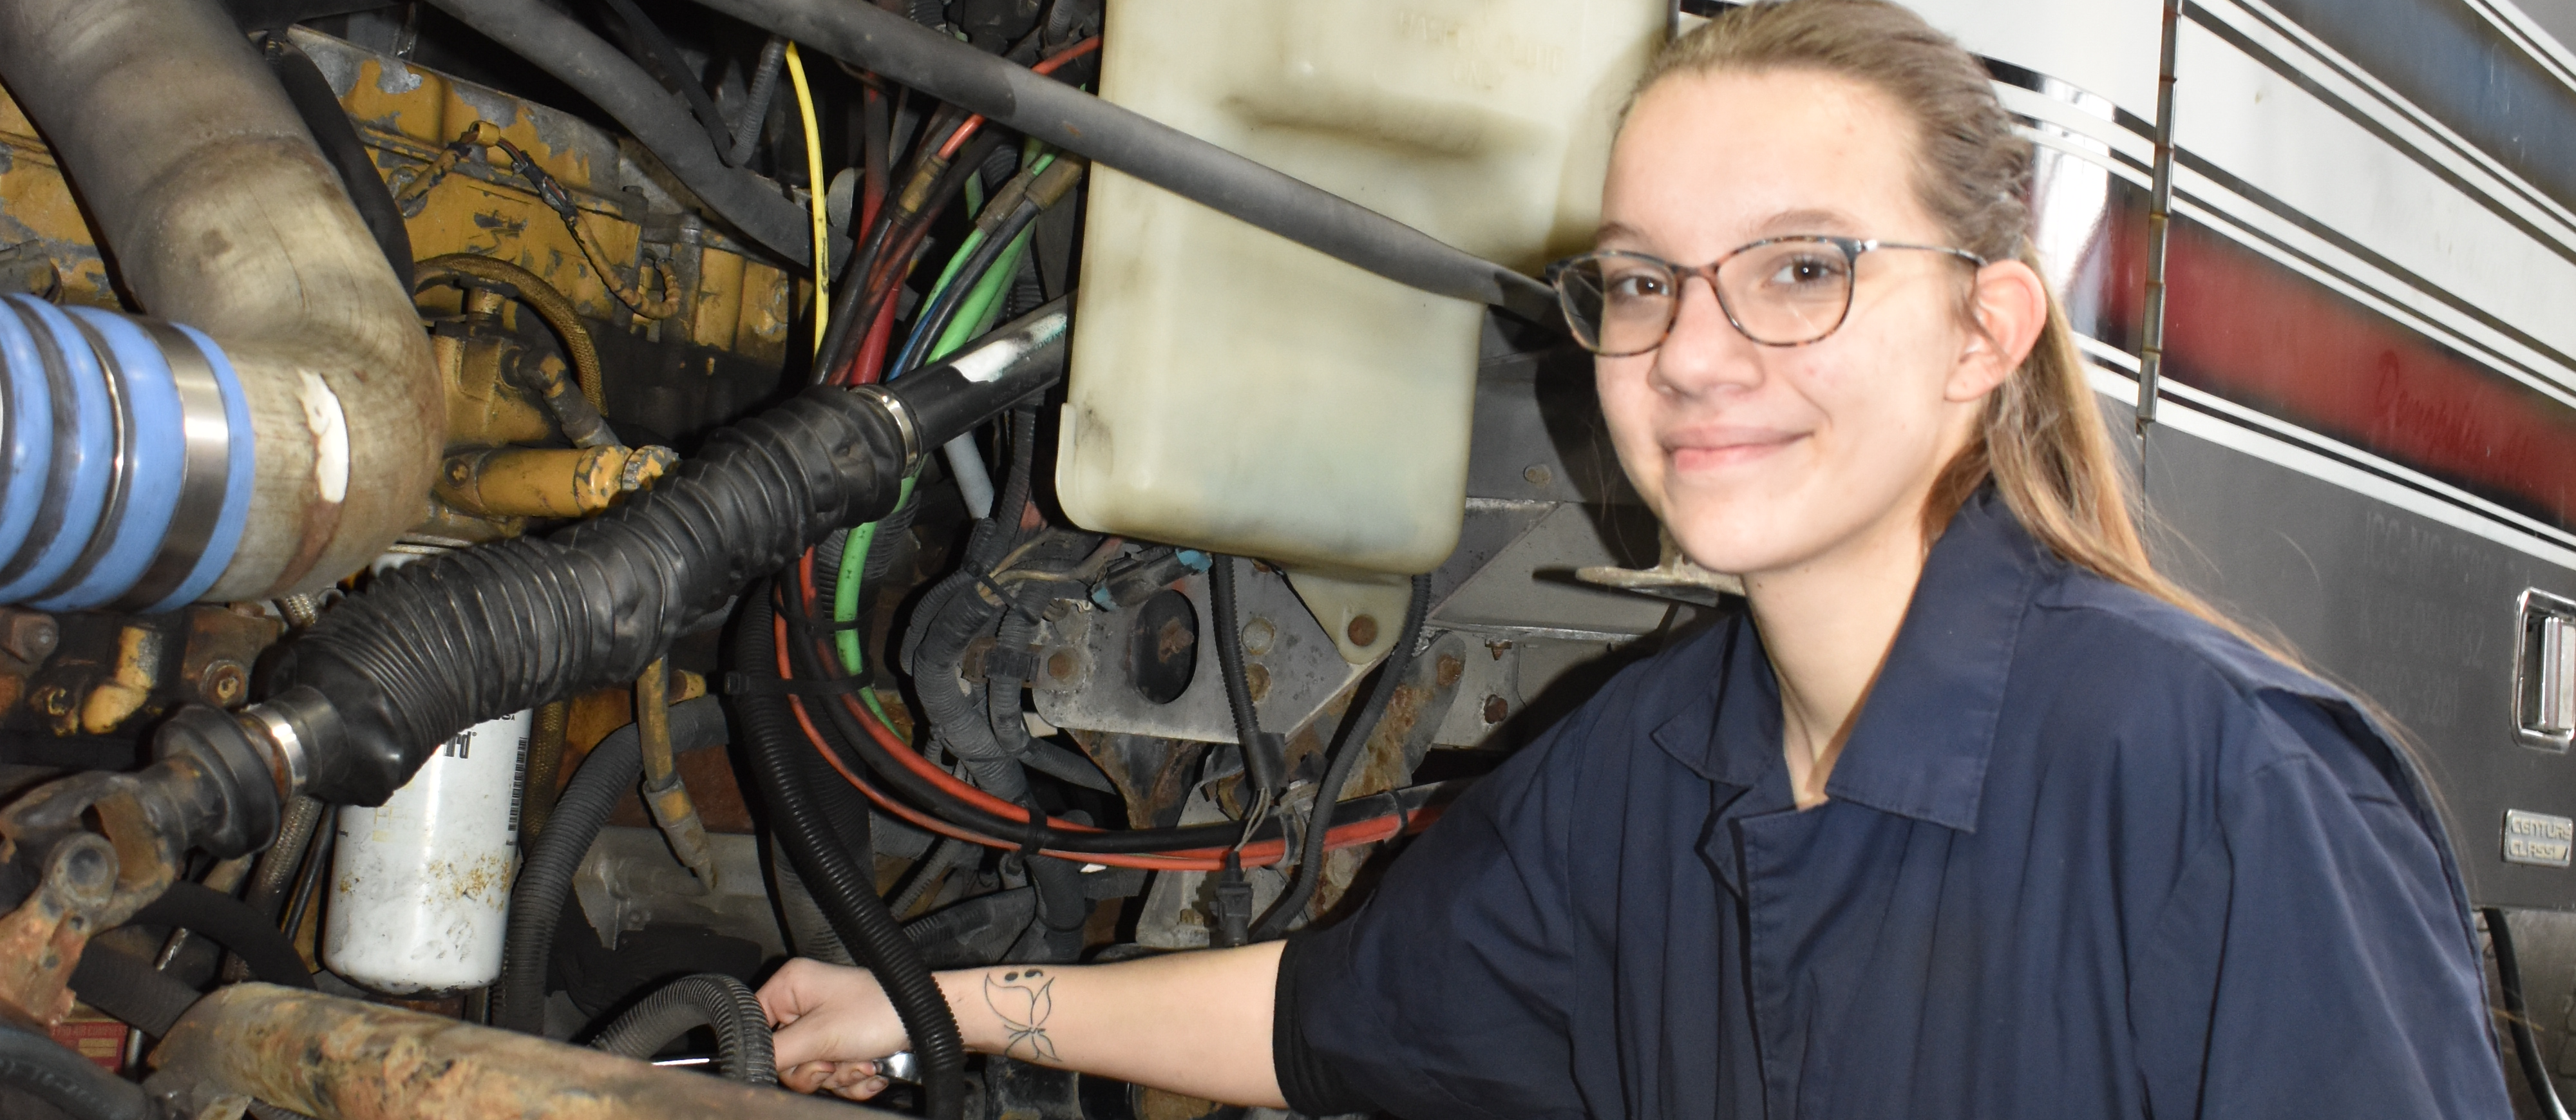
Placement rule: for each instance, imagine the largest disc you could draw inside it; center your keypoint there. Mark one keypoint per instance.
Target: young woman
(1969, 814)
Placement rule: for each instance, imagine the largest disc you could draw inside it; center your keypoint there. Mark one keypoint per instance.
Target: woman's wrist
(1004, 1009)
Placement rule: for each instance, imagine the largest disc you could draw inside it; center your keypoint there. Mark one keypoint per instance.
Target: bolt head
(1363, 630)
(1060, 665)
(1256, 679)
(224, 683)
(1538, 474)
(29, 636)
(1497, 709)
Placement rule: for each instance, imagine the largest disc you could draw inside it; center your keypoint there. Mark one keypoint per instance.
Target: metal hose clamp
(288, 746)
(901, 413)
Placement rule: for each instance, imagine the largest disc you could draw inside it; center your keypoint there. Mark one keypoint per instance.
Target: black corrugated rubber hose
(705, 999)
(440, 645)
(846, 891)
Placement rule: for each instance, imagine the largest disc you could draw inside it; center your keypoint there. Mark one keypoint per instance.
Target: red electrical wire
(1262, 853)
(1048, 65)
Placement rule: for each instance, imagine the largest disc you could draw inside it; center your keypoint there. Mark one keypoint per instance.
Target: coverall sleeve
(1448, 995)
(2316, 958)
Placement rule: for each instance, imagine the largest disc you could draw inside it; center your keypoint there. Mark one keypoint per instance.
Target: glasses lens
(1787, 292)
(1616, 304)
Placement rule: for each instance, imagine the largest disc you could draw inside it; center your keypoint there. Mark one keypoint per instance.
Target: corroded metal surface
(41, 941)
(339, 1059)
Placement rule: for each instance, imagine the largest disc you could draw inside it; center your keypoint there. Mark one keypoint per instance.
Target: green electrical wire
(975, 315)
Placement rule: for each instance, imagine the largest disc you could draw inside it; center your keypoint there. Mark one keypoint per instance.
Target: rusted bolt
(1496, 709)
(224, 682)
(29, 636)
(1363, 630)
(1258, 635)
(1256, 679)
(1060, 665)
(1538, 474)
(1449, 670)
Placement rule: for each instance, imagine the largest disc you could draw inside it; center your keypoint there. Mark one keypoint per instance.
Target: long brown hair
(2041, 438)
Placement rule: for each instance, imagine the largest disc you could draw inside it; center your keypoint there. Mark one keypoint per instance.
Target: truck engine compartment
(518, 516)
(698, 619)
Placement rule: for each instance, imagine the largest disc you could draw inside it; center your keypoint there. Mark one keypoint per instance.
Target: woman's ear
(2011, 305)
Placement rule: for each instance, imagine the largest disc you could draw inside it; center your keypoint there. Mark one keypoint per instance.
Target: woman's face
(1759, 458)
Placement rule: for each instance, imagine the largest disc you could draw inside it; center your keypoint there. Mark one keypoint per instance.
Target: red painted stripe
(2249, 329)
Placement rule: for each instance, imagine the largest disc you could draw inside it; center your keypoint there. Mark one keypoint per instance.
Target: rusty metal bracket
(41, 941)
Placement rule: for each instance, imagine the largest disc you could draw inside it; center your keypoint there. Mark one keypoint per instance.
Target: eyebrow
(1804, 220)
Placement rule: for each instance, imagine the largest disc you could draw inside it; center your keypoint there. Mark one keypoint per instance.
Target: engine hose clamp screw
(290, 746)
(901, 414)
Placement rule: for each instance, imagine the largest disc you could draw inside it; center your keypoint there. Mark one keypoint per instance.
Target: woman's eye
(1639, 286)
(1805, 271)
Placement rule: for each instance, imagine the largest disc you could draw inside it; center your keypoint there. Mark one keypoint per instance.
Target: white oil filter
(420, 885)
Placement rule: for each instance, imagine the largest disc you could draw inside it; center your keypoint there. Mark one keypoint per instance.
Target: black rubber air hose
(1039, 106)
(1260, 767)
(559, 45)
(323, 115)
(59, 1076)
(437, 646)
(231, 923)
(705, 999)
(545, 875)
(1346, 758)
(846, 891)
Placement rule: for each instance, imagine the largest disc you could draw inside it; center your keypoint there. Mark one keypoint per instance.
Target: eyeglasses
(1779, 291)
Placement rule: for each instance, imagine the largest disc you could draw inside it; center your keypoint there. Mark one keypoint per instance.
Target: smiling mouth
(1730, 449)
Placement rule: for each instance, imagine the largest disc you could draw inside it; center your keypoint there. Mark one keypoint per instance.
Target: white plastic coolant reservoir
(420, 885)
(1236, 392)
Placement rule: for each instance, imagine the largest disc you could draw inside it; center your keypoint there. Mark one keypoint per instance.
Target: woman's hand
(832, 1022)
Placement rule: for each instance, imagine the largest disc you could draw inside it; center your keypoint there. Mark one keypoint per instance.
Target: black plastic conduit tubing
(57, 1075)
(545, 877)
(1337, 773)
(846, 891)
(441, 645)
(561, 46)
(704, 999)
(311, 94)
(902, 51)
(231, 923)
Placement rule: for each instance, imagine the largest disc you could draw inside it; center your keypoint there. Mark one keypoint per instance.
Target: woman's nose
(1703, 353)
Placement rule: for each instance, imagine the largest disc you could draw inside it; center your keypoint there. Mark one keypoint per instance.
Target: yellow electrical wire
(814, 177)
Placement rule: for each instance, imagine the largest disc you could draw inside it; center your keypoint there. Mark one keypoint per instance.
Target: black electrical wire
(846, 891)
(59, 1076)
(887, 258)
(935, 318)
(2517, 1017)
(1346, 757)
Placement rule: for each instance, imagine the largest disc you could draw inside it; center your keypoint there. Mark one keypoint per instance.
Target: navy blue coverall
(2084, 855)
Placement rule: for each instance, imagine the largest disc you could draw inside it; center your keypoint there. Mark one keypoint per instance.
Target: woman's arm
(1193, 1023)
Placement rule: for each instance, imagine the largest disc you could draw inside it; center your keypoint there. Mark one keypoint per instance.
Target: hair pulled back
(2040, 438)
